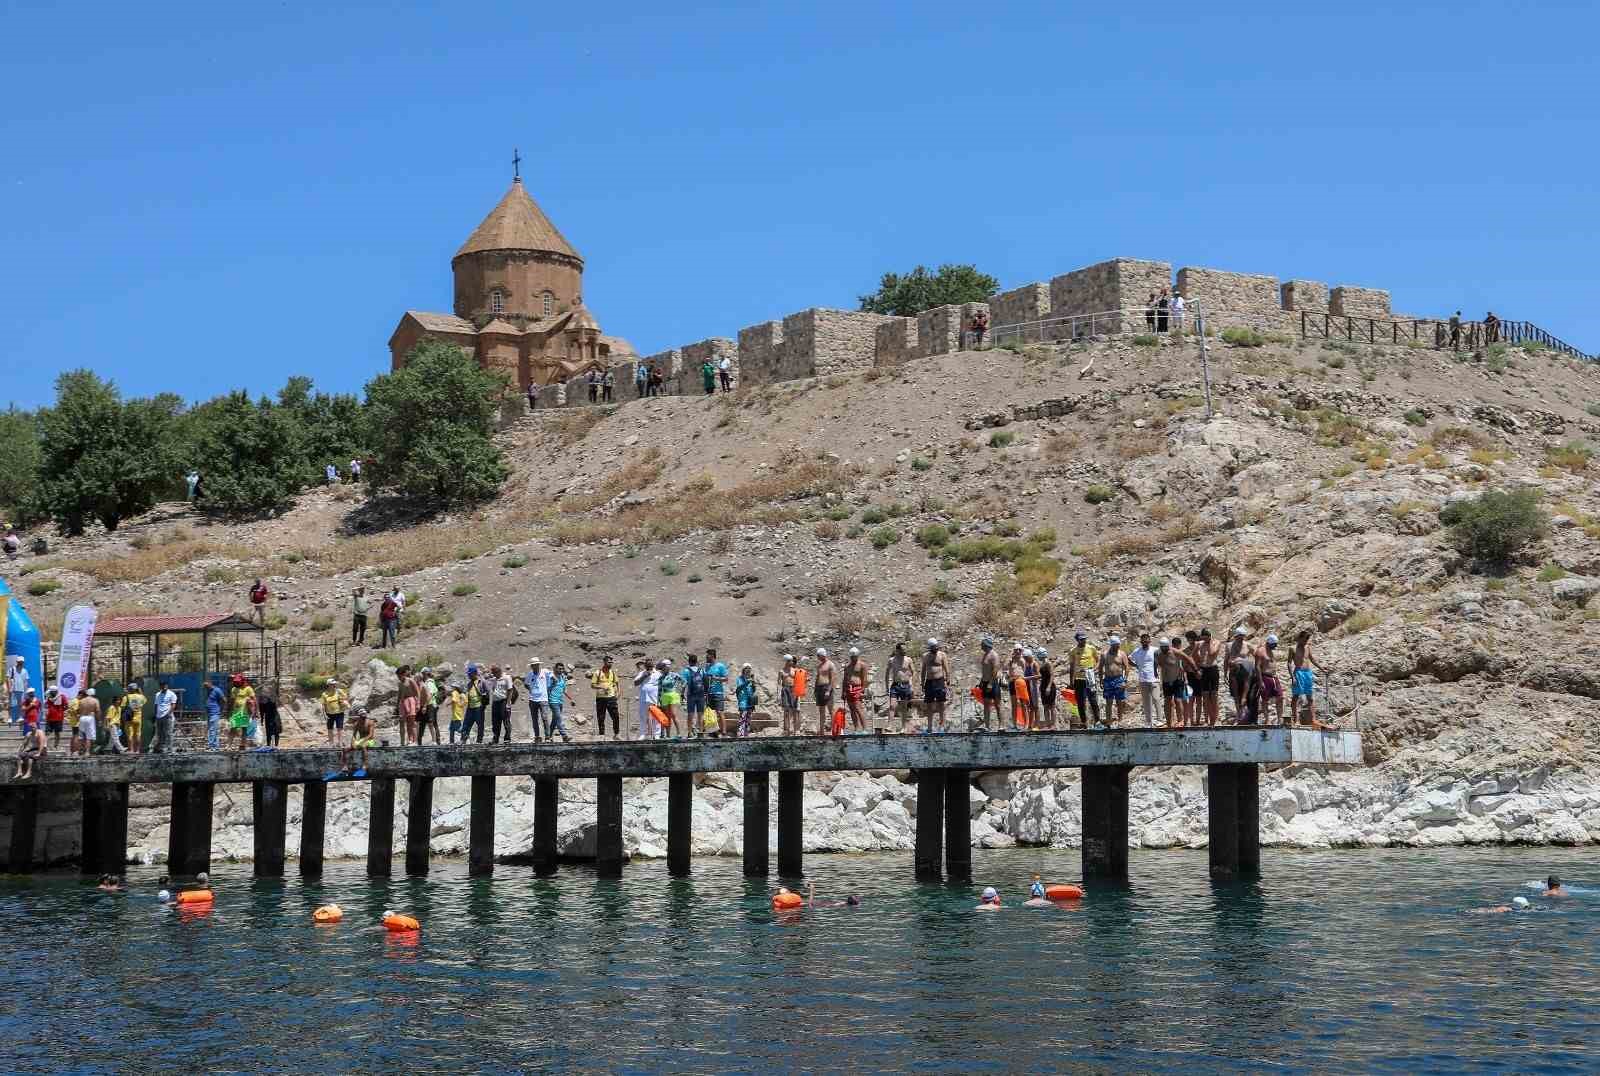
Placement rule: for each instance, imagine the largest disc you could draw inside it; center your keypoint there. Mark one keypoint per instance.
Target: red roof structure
(172, 625)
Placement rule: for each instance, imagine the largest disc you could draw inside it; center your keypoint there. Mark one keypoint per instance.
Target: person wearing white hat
(537, 682)
(855, 689)
(789, 695)
(897, 683)
(935, 686)
(822, 691)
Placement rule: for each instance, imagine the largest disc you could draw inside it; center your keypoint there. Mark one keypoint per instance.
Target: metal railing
(1431, 332)
(1099, 323)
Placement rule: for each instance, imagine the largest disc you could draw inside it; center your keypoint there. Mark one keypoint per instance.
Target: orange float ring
(660, 717)
(400, 924)
(1063, 892)
(328, 913)
(196, 896)
(787, 902)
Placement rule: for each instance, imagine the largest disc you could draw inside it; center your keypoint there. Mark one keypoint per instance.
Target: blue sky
(198, 197)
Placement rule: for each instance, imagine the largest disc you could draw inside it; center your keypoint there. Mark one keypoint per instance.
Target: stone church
(519, 302)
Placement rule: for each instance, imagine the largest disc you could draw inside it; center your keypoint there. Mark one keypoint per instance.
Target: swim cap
(854, 652)
(164, 896)
(1272, 640)
(1115, 640)
(1520, 902)
(933, 642)
(989, 893)
(1239, 630)
(1038, 652)
(987, 643)
(822, 651)
(788, 657)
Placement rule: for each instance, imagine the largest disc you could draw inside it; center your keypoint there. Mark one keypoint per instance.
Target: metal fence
(135, 657)
(1430, 332)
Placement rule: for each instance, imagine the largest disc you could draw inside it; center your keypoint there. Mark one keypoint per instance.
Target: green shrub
(1098, 494)
(856, 531)
(1495, 526)
(516, 560)
(316, 682)
(669, 567)
(941, 591)
(933, 536)
(1043, 538)
(695, 577)
(1008, 528)
(1594, 409)
(1239, 336)
(40, 587)
(1155, 583)
(274, 621)
(1551, 572)
(839, 513)
(1146, 340)
(1574, 456)
(1415, 418)
(920, 464)
(294, 557)
(1001, 438)
(884, 537)
(873, 516)
(463, 590)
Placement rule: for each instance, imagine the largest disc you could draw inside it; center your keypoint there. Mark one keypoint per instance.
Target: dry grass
(1460, 437)
(1140, 443)
(1487, 457)
(1573, 456)
(141, 564)
(634, 475)
(1060, 447)
(568, 427)
(1163, 510)
(413, 548)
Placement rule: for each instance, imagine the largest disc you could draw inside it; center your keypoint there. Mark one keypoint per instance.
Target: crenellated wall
(1304, 295)
(1232, 299)
(1031, 302)
(1359, 302)
(1114, 285)
(691, 382)
(896, 341)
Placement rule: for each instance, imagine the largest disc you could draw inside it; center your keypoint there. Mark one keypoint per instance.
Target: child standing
(745, 692)
(458, 710)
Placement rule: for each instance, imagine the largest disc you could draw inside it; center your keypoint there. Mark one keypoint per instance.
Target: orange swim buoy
(399, 924)
(838, 721)
(787, 901)
(799, 683)
(977, 693)
(1063, 892)
(196, 896)
(660, 716)
(328, 913)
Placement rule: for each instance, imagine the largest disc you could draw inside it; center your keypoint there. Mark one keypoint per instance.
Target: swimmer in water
(110, 883)
(1036, 897)
(989, 901)
(1518, 904)
(850, 901)
(1554, 888)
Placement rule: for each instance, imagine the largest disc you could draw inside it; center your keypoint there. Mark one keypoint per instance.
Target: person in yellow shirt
(334, 704)
(604, 682)
(1082, 663)
(133, 718)
(243, 700)
(458, 711)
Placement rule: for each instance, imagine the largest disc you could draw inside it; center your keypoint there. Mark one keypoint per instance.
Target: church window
(497, 302)
(549, 304)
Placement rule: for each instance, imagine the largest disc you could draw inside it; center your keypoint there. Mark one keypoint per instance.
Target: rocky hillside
(1022, 494)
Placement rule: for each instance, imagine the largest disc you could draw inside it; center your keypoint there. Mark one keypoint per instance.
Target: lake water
(1354, 960)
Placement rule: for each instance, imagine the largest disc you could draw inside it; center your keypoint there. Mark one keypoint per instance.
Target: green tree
(19, 465)
(1495, 526)
(101, 457)
(429, 425)
(252, 456)
(329, 427)
(919, 290)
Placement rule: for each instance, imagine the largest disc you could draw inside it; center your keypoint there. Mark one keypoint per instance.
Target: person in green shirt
(708, 377)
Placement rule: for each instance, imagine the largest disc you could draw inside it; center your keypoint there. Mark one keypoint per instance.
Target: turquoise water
(1356, 960)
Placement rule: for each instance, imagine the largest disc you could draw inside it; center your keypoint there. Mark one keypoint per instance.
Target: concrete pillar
(930, 825)
(756, 798)
(22, 805)
(189, 835)
(608, 827)
(546, 802)
(419, 824)
(269, 823)
(105, 829)
(1248, 800)
(680, 822)
(957, 825)
(380, 828)
(791, 823)
(313, 822)
(1105, 821)
(480, 847)
(1222, 797)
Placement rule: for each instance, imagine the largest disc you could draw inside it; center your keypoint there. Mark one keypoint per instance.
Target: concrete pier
(756, 800)
(419, 825)
(680, 822)
(105, 829)
(480, 840)
(791, 823)
(546, 801)
(1234, 816)
(380, 828)
(1105, 821)
(269, 813)
(608, 827)
(189, 832)
(930, 825)
(22, 805)
(313, 827)
(957, 825)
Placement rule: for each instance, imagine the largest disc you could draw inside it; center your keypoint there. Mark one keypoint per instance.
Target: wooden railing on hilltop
(1468, 335)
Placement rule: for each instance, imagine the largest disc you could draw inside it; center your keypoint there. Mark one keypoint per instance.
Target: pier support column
(313, 822)
(189, 834)
(480, 841)
(22, 805)
(791, 823)
(380, 828)
(419, 824)
(930, 825)
(1222, 796)
(105, 829)
(957, 825)
(269, 824)
(1105, 821)
(1247, 806)
(546, 802)
(756, 799)
(680, 822)
(608, 827)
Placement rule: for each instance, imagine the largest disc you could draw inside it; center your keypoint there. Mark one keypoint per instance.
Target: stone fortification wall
(623, 374)
(811, 343)
(690, 381)
(1031, 302)
(896, 341)
(1304, 295)
(1359, 302)
(1118, 284)
(1234, 299)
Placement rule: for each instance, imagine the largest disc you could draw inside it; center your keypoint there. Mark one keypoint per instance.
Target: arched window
(549, 304)
(497, 302)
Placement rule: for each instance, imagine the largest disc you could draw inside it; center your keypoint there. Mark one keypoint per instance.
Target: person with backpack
(258, 602)
(389, 621)
(502, 695)
(716, 674)
(694, 694)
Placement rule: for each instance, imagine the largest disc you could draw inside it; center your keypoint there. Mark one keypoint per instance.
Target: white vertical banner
(77, 634)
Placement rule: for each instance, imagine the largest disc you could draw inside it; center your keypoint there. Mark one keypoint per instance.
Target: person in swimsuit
(855, 689)
(1208, 655)
(33, 750)
(1016, 669)
(1302, 680)
(1114, 667)
(1192, 711)
(1554, 888)
(989, 681)
(989, 901)
(897, 684)
(1030, 676)
(850, 900)
(788, 699)
(1266, 670)
(935, 686)
(1237, 649)
(363, 735)
(409, 703)
(1047, 688)
(1171, 666)
(822, 691)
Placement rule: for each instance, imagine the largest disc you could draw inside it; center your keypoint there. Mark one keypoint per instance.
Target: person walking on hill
(592, 381)
(935, 686)
(1455, 331)
(1177, 314)
(656, 380)
(398, 597)
(604, 682)
(388, 622)
(1162, 305)
(897, 684)
(1491, 328)
(822, 691)
(1150, 312)
(855, 689)
(989, 680)
(331, 473)
(979, 326)
(355, 470)
(359, 603)
(258, 602)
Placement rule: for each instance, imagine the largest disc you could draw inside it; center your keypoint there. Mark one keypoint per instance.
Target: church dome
(517, 224)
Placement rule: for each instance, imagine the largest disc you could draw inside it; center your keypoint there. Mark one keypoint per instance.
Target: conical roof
(517, 223)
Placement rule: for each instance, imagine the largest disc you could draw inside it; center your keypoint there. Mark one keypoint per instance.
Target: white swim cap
(1239, 630)
(989, 893)
(387, 913)
(788, 657)
(164, 896)
(854, 652)
(934, 643)
(822, 651)
(1520, 902)
(1272, 640)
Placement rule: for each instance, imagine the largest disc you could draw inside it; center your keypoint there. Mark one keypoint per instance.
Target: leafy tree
(103, 458)
(1495, 526)
(19, 465)
(921, 290)
(253, 461)
(330, 427)
(429, 425)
